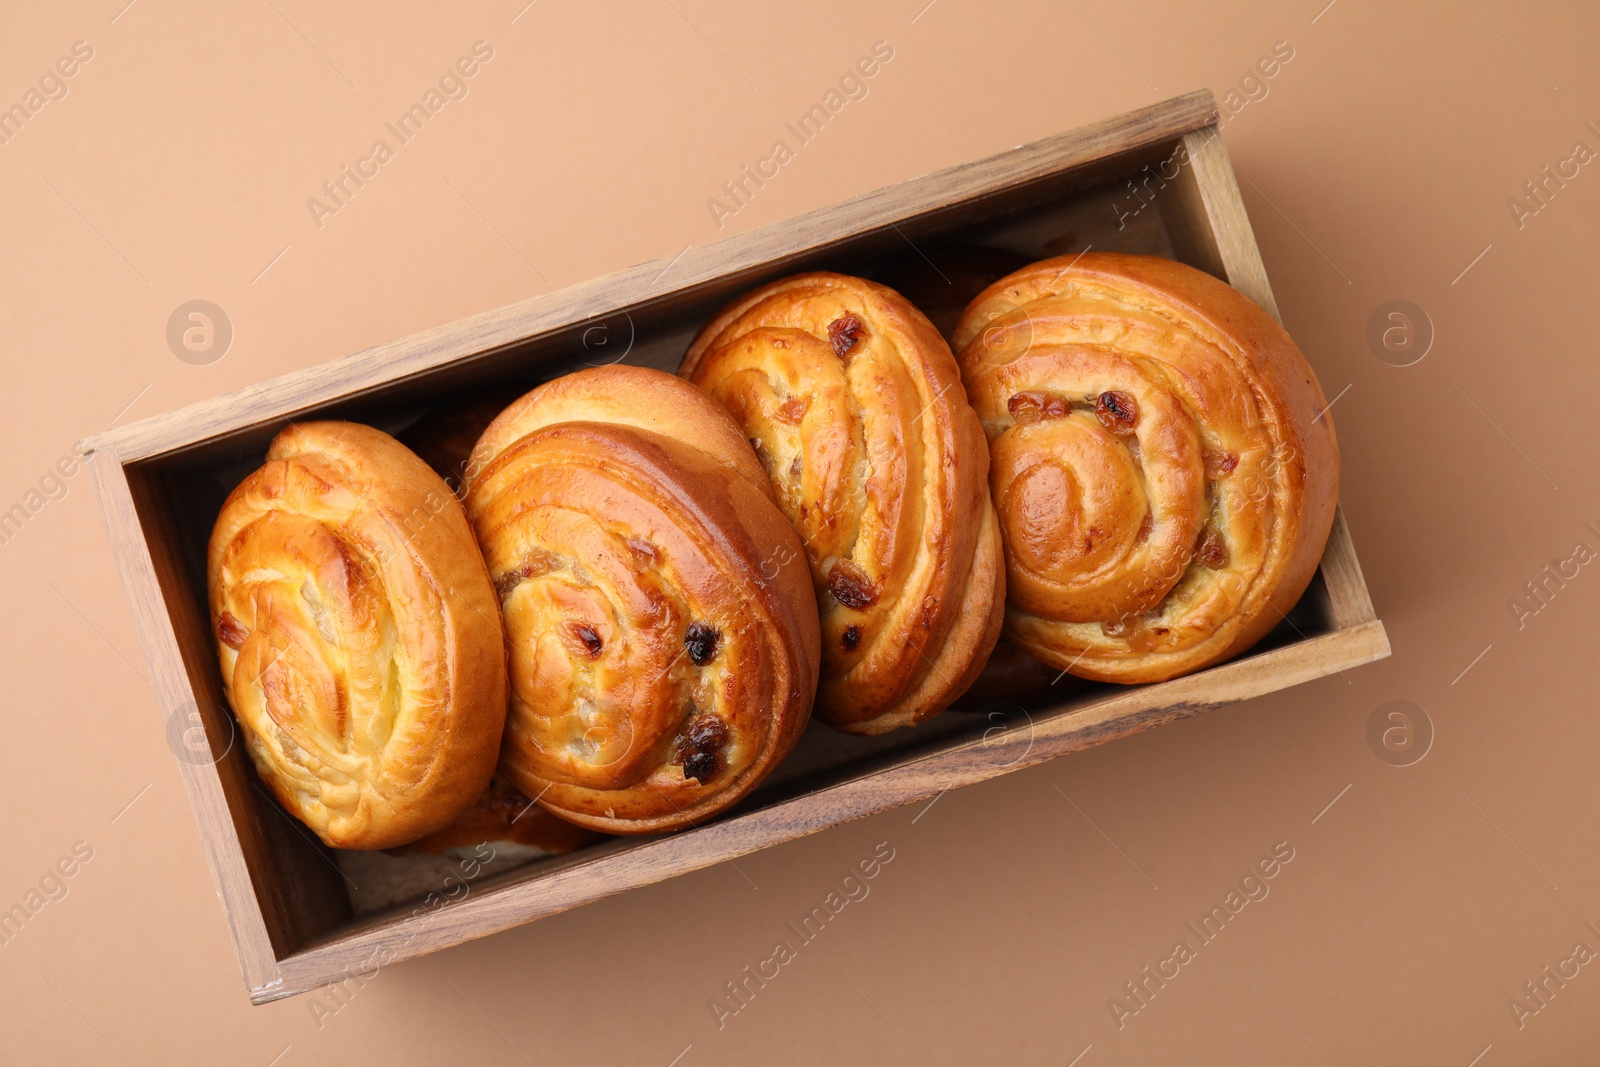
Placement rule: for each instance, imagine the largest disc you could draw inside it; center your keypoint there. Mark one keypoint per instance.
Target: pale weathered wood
(224, 852)
(1217, 227)
(287, 909)
(1348, 599)
(1212, 223)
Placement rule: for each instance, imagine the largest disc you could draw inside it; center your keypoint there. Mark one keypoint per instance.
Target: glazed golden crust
(855, 406)
(358, 635)
(1163, 464)
(660, 625)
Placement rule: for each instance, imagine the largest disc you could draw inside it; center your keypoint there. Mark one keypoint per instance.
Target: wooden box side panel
(230, 870)
(279, 887)
(1207, 217)
(539, 893)
(1209, 225)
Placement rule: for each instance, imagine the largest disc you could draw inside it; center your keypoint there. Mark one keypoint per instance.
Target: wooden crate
(1155, 181)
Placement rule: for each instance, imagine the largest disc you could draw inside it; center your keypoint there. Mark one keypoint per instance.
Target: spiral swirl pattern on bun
(1162, 462)
(358, 635)
(660, 624)
(854, 404)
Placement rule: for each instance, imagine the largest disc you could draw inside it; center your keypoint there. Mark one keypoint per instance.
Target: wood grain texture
(1215, 228)
(1207, 219)
(284, 895)
(1348, 599)
(225, 851)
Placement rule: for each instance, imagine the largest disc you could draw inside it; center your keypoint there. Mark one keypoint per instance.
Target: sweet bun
(1163, 462)
(659, 620)
(358, 636)
(855, 407)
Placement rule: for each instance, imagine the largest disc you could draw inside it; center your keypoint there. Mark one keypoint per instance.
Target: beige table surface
(1377, 165)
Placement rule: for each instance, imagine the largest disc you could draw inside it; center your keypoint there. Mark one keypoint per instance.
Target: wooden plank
(1207, 189)
(230, 870)
(280, 398)
(298, 887)
(491, 910)
(1348, 599)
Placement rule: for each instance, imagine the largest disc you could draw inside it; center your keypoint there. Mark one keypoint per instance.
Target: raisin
(1117, 411)
(1118, 627)
(1031, 407)
(850, 586)
(844, 332)
(700, 746)
(706, 732)
(231, 631)
(797, 468)
(701, 766)
(508, 581)
(1220, 464)
(793, 409)
(850, 638)
(1148, 639)
(701, 642)
(1212, 551)
(588, 637)
(643, 551)
(538, 563)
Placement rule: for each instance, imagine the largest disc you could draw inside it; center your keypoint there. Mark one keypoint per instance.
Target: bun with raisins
(855, 406)
(659, 621)
(1163, 462)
